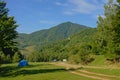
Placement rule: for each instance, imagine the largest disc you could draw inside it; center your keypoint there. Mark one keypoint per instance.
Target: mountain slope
(59, 32)
(69, 48)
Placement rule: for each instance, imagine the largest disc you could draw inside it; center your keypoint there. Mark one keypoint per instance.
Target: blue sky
(34, 15)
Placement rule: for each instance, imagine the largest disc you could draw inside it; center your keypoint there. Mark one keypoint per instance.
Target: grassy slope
(99, 61)
(36, 71)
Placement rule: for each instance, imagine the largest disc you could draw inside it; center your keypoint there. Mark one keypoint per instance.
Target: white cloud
(61, 4)
(81, 6)
(104, 1)
(103, 16)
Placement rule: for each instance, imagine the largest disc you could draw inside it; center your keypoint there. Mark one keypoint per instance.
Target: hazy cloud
(61, 4)
(81, 6)
(103, 16)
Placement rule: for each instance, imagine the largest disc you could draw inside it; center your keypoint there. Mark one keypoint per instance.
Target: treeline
(80, 48)
(8, 50)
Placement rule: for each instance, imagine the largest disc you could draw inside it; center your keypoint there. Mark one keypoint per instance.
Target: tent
(23, 63)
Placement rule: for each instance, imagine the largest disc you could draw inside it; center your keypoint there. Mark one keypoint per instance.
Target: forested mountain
(73, 48)
(59, 32)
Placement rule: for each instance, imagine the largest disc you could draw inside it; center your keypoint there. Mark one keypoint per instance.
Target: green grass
(36, 71)
(114, 72)
(112, 75)
(99, 61)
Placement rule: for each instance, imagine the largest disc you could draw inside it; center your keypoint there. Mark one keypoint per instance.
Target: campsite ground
(57, 71)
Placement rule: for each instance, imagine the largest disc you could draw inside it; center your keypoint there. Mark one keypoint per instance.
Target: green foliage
(84, 56)
(16, 57)
(76, 49)
(74, 59)
(33, 57)
(107, 39)
(7, 32)
(4, 59)
(8, 59)
(56, 33)
(118, 1)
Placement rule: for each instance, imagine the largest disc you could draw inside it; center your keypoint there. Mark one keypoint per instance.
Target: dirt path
(66, 65)
(85, 73)
(78, 66)
(104, 75)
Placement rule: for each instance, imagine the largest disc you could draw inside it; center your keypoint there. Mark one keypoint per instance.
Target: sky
(34, 15)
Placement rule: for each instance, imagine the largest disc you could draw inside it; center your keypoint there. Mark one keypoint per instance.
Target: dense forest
(70, 48)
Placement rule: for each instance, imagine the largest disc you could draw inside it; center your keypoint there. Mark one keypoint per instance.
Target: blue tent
(23, 63)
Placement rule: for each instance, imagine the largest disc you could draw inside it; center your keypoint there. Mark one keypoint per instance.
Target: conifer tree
(7, 31)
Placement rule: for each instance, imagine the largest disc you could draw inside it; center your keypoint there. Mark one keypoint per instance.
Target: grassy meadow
(112, 72)
(37, 71)
(97, 70)
(48, 71)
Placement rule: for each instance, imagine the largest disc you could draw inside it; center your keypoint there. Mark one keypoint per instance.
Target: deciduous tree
(109, 31)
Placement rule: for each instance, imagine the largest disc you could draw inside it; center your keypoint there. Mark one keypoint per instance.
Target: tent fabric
(23, 63)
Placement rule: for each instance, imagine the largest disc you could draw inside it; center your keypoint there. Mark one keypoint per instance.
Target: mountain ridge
(58, 32)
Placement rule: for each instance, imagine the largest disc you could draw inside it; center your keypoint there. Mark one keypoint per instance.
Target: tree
(2, 57)
(16, 57)
(7, 31)
(75, 59)
(33, 57)
(108, 36)
(8, 59)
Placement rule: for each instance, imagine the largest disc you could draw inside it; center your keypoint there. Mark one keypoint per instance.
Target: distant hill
(58, 32)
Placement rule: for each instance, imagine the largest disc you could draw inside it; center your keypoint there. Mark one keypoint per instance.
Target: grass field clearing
(37, 71)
